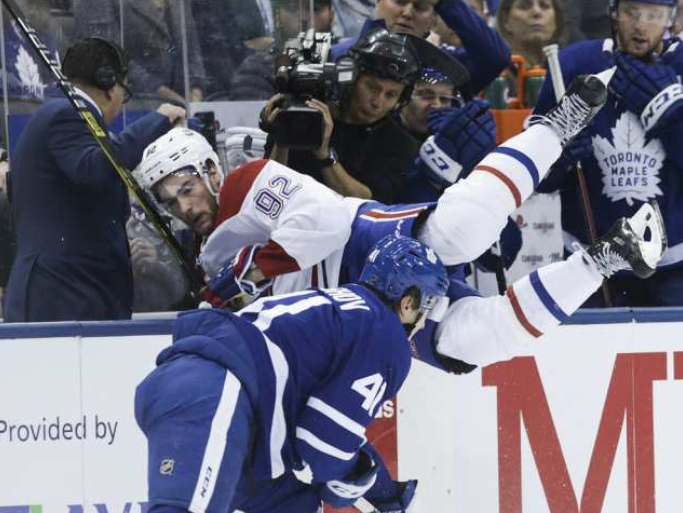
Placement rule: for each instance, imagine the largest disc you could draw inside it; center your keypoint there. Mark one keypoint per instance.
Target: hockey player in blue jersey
(272, 229)
(240, 401)
(631, 153)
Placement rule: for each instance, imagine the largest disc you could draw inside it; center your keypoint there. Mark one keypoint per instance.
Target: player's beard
(641, 50)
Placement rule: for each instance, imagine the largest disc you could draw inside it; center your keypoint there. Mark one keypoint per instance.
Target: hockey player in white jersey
(270, 222)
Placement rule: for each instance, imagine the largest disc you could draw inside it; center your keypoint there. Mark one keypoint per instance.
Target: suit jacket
(70, 209)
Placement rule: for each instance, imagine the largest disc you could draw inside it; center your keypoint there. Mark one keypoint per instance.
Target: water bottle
(532, 85)
(497, 93)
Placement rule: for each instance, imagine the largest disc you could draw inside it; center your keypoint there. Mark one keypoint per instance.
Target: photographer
(364, 153)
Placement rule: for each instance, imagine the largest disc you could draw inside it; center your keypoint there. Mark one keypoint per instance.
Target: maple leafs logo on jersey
(630, 165)
(27, 69)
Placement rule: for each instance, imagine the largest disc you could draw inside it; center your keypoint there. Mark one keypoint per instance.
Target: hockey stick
(551, 52)
(102, 139)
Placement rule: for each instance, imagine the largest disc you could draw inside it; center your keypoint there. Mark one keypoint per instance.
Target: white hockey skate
(624, 246)
(582, 101)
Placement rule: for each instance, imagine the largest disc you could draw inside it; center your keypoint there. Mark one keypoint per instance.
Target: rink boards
(591, 421)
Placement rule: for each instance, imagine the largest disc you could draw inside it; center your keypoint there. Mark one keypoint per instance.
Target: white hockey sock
(547, 297)
(471, 213)
(523, 161)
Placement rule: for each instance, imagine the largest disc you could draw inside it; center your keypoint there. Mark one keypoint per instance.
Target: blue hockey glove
(580, 149)
(231, 279)
(403, 502)
(462, 137)
(340, 493)
(650, 90)
(510, 245)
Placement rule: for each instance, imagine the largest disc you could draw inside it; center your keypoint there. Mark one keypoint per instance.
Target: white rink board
(448, 426)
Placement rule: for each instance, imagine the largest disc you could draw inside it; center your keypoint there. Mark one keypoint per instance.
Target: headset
(105, 77)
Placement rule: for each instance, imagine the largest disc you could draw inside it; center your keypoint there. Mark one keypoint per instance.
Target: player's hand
(580, 149)
(463, 136)
(240, 276)
(637, 83)
(404, 502)
(269, 112)
(340, 493)
(324, 150)
(175, 114)
(143, 254)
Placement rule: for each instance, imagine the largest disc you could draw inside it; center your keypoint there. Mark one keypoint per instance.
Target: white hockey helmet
(179, 149)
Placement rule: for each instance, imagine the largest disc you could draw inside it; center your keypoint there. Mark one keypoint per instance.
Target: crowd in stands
(377, 135)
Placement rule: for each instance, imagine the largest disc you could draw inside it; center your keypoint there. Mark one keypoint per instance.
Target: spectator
(254, 79)
(69, 206)
(364, 153)
(443, 35)
(529, 25)
(631, 152)
(587, 19)
(484, 53)
(154, 37)
(350, 15)
(228, 30)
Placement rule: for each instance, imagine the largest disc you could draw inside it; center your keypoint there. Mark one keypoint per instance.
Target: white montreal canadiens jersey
(300, 222)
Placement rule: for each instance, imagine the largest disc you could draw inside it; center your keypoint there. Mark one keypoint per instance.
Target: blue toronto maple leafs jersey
(325, 361)
(627, 167)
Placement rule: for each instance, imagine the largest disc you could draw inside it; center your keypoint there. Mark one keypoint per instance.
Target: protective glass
(127, 93)
(654, 15)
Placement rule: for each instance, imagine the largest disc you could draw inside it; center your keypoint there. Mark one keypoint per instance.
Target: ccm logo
(207, 481)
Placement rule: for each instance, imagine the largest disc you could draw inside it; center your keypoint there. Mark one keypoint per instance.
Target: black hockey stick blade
(102, 139)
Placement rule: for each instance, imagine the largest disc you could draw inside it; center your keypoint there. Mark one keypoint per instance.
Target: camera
(302, 73)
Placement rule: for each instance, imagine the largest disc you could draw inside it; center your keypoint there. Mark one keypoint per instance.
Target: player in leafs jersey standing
(240, 401)
(631, 153)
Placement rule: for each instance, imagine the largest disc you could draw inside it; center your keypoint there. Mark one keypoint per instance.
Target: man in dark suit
(69, 205)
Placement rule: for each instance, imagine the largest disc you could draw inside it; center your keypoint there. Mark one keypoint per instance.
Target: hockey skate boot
(624, 246)
(582, 101)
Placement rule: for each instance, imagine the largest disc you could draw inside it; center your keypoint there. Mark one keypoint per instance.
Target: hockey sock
(548, 296)
(471, 213)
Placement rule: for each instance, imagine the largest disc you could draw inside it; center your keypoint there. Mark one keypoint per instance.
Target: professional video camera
(302, 73)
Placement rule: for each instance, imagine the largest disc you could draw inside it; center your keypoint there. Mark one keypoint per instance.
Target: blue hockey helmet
(397, 263)
(673, 4)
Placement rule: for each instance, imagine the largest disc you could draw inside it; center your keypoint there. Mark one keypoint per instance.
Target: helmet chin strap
(413, 328)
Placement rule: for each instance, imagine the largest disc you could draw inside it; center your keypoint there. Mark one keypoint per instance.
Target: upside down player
(275, 228)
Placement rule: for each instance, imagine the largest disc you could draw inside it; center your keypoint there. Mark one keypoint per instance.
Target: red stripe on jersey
(520, 313)
(273, 260)
(235, 188)
(505, 179)
(378, 214)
